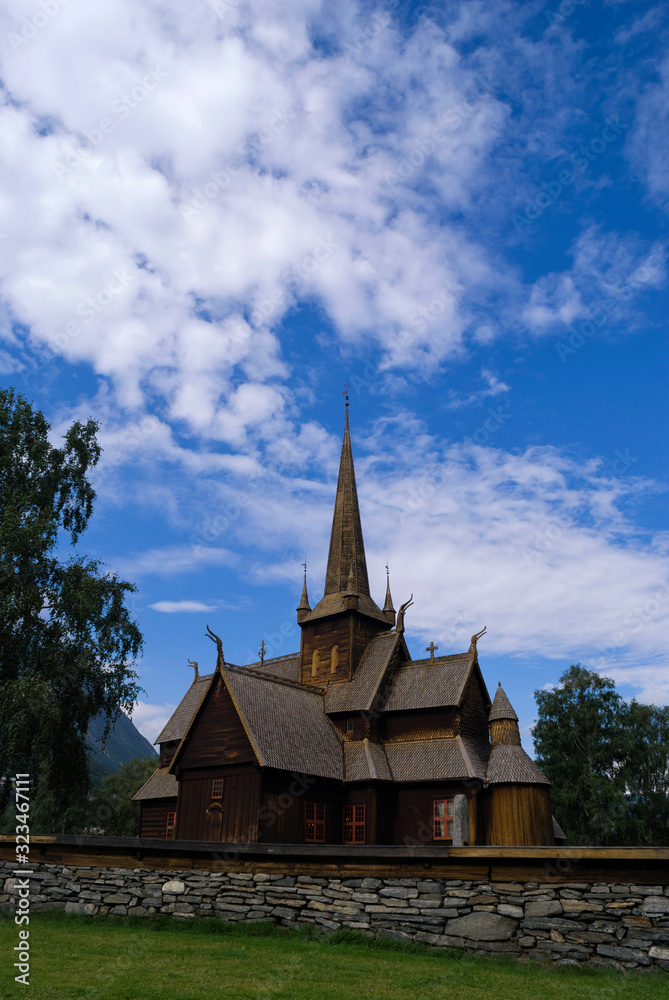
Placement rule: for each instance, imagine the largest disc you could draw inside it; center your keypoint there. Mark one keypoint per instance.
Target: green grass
(112, 958)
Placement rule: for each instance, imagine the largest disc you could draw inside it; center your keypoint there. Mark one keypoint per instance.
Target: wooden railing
(640, 865)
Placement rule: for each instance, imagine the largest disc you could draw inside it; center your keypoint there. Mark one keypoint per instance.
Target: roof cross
(262, 650)
(431, 648)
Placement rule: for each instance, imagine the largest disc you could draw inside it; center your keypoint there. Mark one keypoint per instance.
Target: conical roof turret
(501, 706)
(304, 607)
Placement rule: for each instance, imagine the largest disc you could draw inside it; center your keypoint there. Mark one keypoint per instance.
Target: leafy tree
(66, 639)
(608, 761)
(111, 808)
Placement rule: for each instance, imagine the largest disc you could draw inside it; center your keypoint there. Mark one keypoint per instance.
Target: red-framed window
(354, 824)
(217, 788)
(442, 821)
(314, 830)
(169, 827)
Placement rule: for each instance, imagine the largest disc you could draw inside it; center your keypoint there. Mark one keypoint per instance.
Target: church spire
(388, 609)
(346, 558)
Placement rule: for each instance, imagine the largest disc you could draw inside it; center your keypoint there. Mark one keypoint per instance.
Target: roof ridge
(274, 678)
(436, 659)
(260, 663)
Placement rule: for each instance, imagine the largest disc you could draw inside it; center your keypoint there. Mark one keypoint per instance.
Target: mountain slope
(123, 744)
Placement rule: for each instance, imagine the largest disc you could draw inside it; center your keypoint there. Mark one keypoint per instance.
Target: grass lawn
(110, 958)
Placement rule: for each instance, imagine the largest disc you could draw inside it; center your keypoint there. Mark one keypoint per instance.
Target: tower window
(314, 663)
(334, 659)
(169, 827)
(443, 819)
(217, 788)
(349, 725)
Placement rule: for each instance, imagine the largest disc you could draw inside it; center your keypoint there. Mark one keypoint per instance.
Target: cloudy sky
(214, 215)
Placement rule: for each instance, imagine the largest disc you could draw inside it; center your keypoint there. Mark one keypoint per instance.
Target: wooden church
(349, 741)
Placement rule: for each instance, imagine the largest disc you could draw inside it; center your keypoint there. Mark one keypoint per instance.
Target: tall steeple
(347, 549)
(336, 633)
(346, 572)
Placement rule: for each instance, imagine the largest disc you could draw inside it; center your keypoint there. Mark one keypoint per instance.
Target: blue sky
(213, 216)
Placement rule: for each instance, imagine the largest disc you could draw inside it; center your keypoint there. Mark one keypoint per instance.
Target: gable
(216, 735)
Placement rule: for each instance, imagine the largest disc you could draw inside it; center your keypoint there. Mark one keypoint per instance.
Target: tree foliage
(608, 761)
(67, 642)
(111, 810)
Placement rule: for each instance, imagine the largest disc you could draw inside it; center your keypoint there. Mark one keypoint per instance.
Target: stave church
(349, 740)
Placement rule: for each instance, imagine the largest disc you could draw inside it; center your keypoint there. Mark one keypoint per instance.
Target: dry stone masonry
(605, 925)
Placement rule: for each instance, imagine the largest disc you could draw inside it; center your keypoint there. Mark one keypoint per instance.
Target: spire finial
(345, 395)
(304, 607)
(261, 652)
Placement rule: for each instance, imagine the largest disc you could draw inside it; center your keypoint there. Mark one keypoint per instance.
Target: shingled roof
(286, 723)
(432, 760)
(508, 762)
(286, 667)
(501, 706)
(178, 723)
(161, 785)
(430, 683)
(358, 695)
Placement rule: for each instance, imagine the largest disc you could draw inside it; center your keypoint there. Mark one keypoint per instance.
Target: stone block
(655, 905)
(399, 892)
(576, 906)
(370, 883)
(174, 886)
(548, 908)
(509, 910)
(623, 954)
(658, 953)
(460, 821)
(482, 926)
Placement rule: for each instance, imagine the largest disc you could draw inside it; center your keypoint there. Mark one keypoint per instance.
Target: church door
(214, 821)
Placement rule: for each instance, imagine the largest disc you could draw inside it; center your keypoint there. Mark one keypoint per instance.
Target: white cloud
(150, 719)
(177, 607)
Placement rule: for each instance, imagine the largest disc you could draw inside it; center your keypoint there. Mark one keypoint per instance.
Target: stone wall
(606, 925)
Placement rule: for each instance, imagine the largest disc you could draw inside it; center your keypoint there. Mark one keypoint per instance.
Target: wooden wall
(233, 817)
(153, 816)
(217, 736)
(473, 716)
(167, 752)
(349, 631)
(282, 817)
(413, 809)
(419, 725)
(517, 815)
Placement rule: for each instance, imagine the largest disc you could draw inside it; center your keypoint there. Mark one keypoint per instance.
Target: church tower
(336, 633)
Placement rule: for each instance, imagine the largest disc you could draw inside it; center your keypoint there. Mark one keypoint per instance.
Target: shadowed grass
(145, 958)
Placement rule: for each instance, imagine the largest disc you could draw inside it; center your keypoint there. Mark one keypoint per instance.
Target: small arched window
(314, 663)
(334, 659)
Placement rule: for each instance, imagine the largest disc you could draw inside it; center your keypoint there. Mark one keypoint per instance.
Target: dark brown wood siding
(153, 817)
(217, 736)
(420, 725)
(282, 814)
(232, 817)
(517, 816)
(473, 715)
(348, 631)
(413, 809)
(167, 752)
